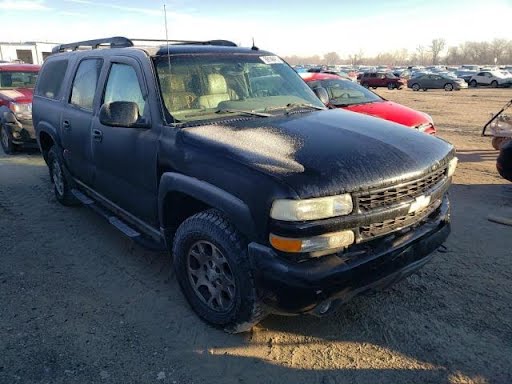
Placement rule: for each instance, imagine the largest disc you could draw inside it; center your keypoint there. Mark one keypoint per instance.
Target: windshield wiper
(250, 113)
(304, 105)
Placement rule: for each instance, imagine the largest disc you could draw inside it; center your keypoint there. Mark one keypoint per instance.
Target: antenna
(167, 38)
(254, 48)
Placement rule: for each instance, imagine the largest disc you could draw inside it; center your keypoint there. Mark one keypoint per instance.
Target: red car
(382, 79)
(17, 83)
(348, 95)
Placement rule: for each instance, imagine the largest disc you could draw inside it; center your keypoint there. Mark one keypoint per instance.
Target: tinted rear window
(51, 78)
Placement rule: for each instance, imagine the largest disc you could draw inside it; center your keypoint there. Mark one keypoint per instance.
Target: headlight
(423, 127)
(22, 110)
(335, 240)
(311, 209)
(452, 166)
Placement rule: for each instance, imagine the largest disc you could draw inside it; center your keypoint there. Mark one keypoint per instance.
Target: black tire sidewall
(199, 228)
(10, 146)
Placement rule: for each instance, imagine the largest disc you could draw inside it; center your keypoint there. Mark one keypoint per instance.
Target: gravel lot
(81, 304)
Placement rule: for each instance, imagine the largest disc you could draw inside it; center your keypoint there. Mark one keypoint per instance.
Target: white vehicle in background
(492, 78)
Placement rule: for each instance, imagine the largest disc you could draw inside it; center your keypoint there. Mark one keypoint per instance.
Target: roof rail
(111, 42)
(226, 43)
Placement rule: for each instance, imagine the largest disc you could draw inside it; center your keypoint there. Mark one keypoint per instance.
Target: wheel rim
(58, 179)
(390, 86)
(448, 87)
(416, 87)
(211, 277)
(5, 138)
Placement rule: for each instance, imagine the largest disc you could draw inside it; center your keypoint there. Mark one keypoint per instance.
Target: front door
(125, 158)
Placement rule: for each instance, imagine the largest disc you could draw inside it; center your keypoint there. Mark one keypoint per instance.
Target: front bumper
(22, 132)
(317, 285)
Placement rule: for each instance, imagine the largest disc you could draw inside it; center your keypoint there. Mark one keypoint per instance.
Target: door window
(85, 82)
(123, 85)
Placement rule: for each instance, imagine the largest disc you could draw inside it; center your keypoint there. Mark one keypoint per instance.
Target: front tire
(448, 87)
(365, 85)
(61, 184)
(473, 83)
(6, 140)
(214, 273)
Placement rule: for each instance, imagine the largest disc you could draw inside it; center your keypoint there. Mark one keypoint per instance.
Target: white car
(492, 78)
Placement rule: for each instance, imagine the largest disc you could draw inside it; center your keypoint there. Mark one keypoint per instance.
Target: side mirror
(121, 114)
(321, 93)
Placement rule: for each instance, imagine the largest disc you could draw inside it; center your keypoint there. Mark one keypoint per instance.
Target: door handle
(97, 135)
(66, 125)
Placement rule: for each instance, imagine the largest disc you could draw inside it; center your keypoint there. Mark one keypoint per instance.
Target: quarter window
(85, 82)
(123, 85)
(50, 81)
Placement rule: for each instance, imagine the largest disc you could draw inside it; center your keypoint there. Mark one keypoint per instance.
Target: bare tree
(436, 48)
(498, 47)
(331, 58)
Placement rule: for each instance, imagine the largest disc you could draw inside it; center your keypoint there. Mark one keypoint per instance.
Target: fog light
(334, 240)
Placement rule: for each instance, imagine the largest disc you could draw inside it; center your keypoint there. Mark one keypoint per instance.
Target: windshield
(17, 79)
(203, 86)
(345, 92)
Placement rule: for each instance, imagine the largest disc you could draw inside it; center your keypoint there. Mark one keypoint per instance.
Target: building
(28, 52)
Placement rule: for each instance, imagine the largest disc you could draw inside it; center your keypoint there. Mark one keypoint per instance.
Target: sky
(284, 27)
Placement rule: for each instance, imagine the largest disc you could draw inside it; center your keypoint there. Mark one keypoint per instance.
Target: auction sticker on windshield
(271, 60)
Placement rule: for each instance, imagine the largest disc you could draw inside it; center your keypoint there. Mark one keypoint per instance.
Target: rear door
(125, 158)
(77, 119)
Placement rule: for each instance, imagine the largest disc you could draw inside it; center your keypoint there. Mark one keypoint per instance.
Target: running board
(122, 226)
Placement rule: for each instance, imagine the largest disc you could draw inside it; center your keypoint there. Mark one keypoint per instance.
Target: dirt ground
(81, 304)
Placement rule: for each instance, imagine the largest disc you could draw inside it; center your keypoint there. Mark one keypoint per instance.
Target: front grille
(381, 198)
(380, 229)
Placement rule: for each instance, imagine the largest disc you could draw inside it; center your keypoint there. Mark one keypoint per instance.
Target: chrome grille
(380, 198)
(379, 229)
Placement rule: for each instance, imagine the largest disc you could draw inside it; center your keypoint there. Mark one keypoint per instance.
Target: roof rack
(111, 42)
(225, 43)
(123, 42)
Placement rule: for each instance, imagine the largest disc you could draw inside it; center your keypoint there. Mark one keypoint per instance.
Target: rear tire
(494, 84)
(214, 273)
(6, 140)
(391, 86)
(61, 184)
(415, 87)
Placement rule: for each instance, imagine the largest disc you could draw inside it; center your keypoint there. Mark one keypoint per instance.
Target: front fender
(237, 212)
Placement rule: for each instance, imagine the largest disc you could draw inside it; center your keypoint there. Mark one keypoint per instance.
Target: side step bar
(126, 229)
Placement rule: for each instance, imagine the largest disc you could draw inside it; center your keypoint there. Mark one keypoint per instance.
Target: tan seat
(176, 95)
(217, 92)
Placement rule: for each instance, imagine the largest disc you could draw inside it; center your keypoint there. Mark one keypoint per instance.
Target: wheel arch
(46, 138)
(180, 196)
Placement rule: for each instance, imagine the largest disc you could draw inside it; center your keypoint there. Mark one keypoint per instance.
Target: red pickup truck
(17, 83)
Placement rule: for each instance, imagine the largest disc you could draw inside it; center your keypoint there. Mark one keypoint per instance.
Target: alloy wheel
(211, 277)
(57, 177)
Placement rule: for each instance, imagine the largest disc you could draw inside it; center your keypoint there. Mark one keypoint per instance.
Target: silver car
(436, 81)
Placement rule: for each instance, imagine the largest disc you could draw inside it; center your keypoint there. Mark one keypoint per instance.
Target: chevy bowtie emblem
(419, 204)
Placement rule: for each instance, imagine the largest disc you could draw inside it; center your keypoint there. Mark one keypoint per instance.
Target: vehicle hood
(391, 111)
(19, 95)
(325, 152)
